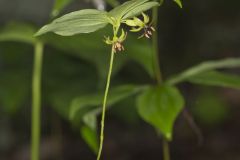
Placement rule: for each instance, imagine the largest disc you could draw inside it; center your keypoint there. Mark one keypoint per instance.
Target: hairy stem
(105, 104)
(36, 100)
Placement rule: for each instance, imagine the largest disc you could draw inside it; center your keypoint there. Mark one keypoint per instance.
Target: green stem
(105, 103)
(156, 62)
(166, 152)
(36, 100)
(157, 70)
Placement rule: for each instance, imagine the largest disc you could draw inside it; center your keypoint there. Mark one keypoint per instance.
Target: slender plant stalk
(166, 152)
(156, 61)
(157, 70)
(105, 103)
(36, 100)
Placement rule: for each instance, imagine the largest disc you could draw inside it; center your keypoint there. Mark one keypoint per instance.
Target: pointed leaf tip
(132, 8)
(160, 106)
(83, 21)
(179, 3)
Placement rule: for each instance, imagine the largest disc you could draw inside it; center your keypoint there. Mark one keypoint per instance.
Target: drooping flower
(138, 25)
(117, 41)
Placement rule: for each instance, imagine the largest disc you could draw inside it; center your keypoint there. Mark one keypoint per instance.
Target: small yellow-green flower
(138, 25)
(117, 41)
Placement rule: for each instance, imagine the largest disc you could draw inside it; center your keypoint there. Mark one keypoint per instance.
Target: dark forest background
(202, 30)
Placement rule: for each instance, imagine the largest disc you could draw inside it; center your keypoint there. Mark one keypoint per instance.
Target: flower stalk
(36, 101)
(157, 71)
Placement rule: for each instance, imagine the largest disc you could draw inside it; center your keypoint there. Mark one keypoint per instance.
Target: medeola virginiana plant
(158, 104)
(90, 20)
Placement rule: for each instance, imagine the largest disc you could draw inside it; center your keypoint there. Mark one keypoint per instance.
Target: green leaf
(118, 12)
(160, 106)
(58, 6)
(139, 9)
(83, 21)
(18, 32)
(131, 8)
(179, 3)
(84, 104)
(90, 137)
(215, 78)
(90, 118)
(205, 67)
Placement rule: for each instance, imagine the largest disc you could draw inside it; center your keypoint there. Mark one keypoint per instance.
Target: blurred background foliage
(75, 68)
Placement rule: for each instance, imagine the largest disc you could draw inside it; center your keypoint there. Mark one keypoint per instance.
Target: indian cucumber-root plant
(90, 20)
(160, 104)
(24, 34)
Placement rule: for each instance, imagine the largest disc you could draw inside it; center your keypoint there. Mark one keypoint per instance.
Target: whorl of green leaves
(90, 20)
